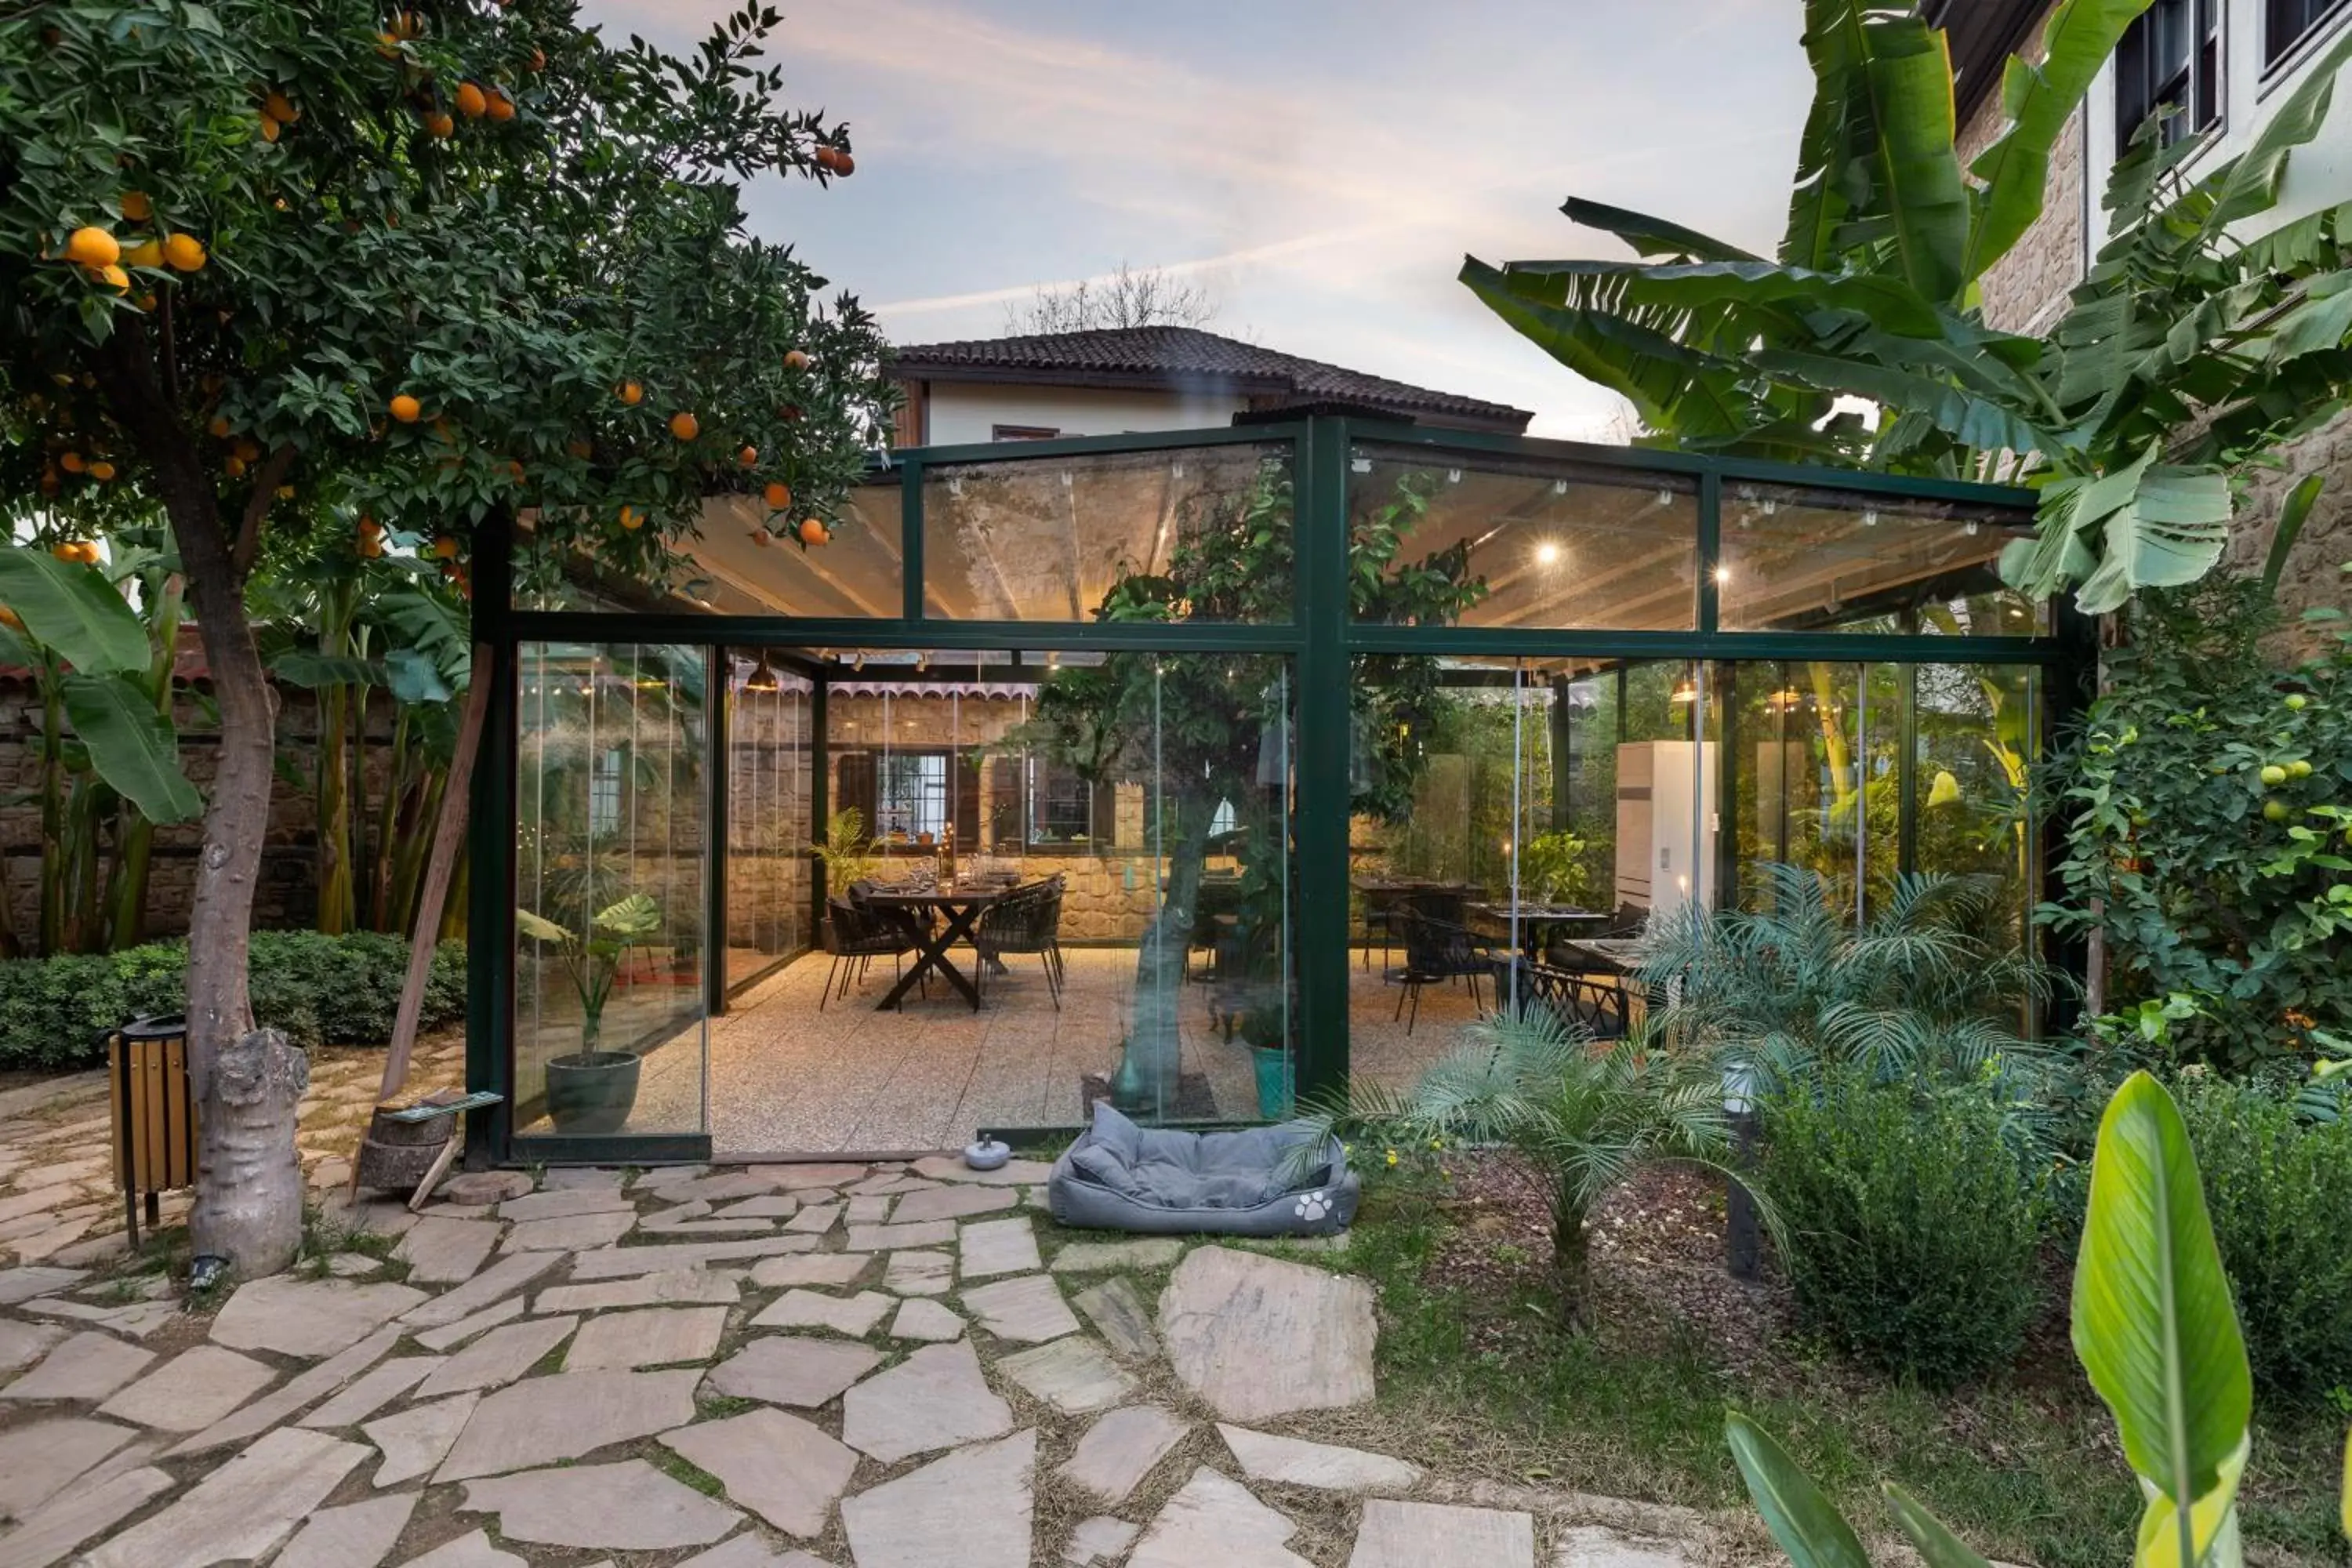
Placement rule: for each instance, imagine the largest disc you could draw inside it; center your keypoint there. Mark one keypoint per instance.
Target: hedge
(322, 989)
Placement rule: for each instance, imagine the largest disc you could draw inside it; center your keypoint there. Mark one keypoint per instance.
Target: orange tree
(285, 264)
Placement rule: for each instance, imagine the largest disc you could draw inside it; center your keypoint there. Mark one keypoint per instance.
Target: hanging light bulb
(1685, 691)
(1548, 553)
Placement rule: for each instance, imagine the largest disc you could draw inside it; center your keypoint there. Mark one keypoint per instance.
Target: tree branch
(272, 474)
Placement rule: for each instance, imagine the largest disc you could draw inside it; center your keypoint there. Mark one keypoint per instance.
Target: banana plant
(2154, 1329)
(109, 752)
(2187, 355)
(592, 956)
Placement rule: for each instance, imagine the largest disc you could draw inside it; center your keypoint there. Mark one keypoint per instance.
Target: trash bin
(155, 1113)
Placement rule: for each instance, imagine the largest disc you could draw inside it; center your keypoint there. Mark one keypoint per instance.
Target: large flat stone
(243, 1508)
(1599, 1546)
(308, 1318)
(582, 1179)
(614, 1262)
(993, 1247)
(446, 1251)
(370, 1392)
(567, 1417)
(24, 1283)
(1121, 1448)
(815, 1219)
(448, 1336)
(1028, 1308)
(36, 1462)
(500, 1280)
(415, 1439)
(748, 1550)
(1441, 1535)
(810, 1269)
(1119, 1315)
(1012, 1174)
(90, 1366)
(799, 1178)
(628, 1506)
(658, 1336)
(852, 1315)
(971, 1510)
(919, 1274)
(50, 1532)
(926, 1321)
(1256, 1337)
(890, 1237)
(566, 1203)
(767, 1206)
(1214, 1519)
(499, 1357)
(357, 1535)
(953, 1203)
(298, 1395)
(1102, 1257)
(472, 1551)
(1101, 1539)
(716, 1187)
(936, 1398)
(780, 1466)
(568, 1233)
(684, 1288)
(788, 1369)
(191, 1391)
(1073, 1375)
(22, 1344)
(1265, 1457)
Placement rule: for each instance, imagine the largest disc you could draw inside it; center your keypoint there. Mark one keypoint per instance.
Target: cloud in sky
(1320, 166)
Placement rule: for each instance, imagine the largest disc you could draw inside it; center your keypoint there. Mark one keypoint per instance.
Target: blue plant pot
(1273, 1065)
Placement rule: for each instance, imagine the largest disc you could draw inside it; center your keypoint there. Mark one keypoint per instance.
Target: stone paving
(883, 1365)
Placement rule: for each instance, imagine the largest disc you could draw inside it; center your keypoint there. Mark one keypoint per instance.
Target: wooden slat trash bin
(154, 1114)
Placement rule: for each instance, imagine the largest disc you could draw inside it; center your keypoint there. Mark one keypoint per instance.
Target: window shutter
(854, 786)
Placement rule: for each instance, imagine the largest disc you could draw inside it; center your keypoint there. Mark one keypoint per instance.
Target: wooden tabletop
(905, 899)
(1618, 953)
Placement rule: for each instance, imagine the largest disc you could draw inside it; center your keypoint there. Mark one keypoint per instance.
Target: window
(1061, 804)
(1021, 433)
(2171, 63)
(2286, 23)
(605, 793)
(911, 796)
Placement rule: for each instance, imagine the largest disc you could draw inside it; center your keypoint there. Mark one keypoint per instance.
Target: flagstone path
(886, 1365)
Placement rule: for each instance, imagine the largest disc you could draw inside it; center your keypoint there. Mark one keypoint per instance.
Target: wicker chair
(1436, 952)
(1025, 920)
(860, 936)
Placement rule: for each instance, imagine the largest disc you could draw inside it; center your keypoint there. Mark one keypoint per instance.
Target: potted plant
(592, 1092)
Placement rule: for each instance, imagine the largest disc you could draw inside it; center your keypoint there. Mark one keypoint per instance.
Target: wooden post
(446, 833)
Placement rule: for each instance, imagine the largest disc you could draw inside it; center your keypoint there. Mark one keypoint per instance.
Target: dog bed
(1267, 1181)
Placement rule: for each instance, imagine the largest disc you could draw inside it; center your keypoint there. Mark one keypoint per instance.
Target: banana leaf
(1805, 1522)
(132, 746)
(1909, 72)
(74, 610)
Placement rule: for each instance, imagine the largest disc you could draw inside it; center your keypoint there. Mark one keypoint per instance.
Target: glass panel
(1049, 538)
(611, 840)
(1796, 795)
(1821, 560)
(1548, 544)
(745, 558)
(770, 821)
(1977, 730)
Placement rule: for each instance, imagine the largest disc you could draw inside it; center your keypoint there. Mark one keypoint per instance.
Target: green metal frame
(1320, 638)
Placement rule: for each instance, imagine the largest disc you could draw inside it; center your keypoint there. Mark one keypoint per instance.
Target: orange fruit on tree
(844, 164)
(539, 59)
(501, 107)
(117, 276)
(49, 481)
(247, 449)
(277, 106)
(71, 463)
(146, 253)
(795, 360)
(102, 471)
(91, 247)
(372, 548)
(269, 129)
(826, 157)
(446, 548)
(777, 495)
(219, 426)
(514, 470)
(405, 408)
(814, 531)
(631, 519)
(368, 527)
(234, 466)
(685, 427)
(286, 492)
(471, 104)
(630, 393)
(136, 206)
(184, 252)
(440, 124)
(387, 45)
(580, 448)
(749, 456)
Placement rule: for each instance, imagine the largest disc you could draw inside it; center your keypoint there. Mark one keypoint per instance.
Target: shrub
(2279, 1188)
(322, 989)
(1914, 1224)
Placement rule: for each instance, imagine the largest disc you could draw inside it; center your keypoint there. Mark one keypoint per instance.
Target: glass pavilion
(1263, 708)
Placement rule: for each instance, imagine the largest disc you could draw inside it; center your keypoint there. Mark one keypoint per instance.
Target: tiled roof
(1187, 356)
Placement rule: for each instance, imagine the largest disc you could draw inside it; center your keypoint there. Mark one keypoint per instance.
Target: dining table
(959, 908)
(1541, 922)
(1617, 954)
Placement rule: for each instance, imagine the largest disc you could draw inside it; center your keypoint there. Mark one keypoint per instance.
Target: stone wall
(286, 897)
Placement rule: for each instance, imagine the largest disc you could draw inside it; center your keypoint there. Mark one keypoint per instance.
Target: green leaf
(633, 916)
(1977, 421)
(1806, 1523)
(2039, 99)
(1938, 1545)
(1910, 77)
(74, 610)
(311, 670)
(1833, 173)
(1888, 302)
(2153, 1322)
(2292, 512)
(414, 677)
(2170, 532)
(2247, 184)
(1652, 236)
(133, 748)
(538, 928)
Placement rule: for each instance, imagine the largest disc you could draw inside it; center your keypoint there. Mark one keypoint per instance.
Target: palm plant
(1572, 1117)
(1780, 991)
(591, 956)
(846, 854)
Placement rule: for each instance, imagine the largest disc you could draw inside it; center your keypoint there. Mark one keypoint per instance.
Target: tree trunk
(1571, 1267)
(247, 1082)
(53, 814)
(335, 913)
(1147, 1073)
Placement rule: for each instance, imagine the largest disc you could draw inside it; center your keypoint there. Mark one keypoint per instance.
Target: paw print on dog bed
(1311, 1207)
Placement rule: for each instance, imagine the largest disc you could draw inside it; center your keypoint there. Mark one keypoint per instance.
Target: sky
(1319, 168)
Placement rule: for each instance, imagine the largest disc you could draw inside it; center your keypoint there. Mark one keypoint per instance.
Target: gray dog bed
(1120, 1177)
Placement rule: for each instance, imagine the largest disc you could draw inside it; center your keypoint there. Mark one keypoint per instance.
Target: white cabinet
(1666, 823)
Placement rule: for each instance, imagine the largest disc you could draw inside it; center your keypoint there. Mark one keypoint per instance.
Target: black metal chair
(1595, 1006)
(1025, 920)
(1436, 952)
(860, 936)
